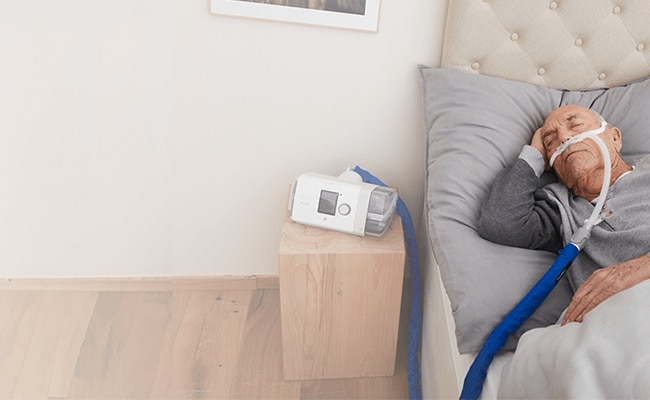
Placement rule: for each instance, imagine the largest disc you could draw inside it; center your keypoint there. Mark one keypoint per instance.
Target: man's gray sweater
(522, 211)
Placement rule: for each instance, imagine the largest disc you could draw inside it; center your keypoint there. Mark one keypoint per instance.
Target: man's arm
(604, 283)
(512, 215)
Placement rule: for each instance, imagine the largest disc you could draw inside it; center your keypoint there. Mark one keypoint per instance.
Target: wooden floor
(157, 340)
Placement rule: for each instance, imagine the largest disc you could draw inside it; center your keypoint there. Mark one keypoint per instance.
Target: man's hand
(537, 143)
(604, 283)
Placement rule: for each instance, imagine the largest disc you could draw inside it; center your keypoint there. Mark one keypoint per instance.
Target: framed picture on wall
(352, 14)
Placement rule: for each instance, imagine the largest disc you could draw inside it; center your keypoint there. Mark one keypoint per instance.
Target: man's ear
(615, 134)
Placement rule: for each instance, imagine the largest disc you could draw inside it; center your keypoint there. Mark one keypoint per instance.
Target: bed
(520, 60)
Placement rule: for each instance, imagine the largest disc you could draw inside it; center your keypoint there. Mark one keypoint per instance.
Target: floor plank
(179, 339)
(20, 313)
(78, 308)
(199, 351)
(259, 373)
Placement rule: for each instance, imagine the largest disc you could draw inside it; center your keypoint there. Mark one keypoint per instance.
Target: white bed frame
(443, 368)
(562, 44)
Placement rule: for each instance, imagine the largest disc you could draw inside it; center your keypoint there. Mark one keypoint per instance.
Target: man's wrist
(534, 158)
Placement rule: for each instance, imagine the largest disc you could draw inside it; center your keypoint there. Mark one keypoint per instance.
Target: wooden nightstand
(340, 298)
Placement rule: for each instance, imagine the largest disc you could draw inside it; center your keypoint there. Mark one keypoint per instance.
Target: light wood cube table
(340, 298)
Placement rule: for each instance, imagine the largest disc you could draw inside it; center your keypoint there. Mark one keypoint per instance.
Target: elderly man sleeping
(524, 210)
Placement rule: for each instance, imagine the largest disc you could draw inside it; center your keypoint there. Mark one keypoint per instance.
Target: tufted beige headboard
(562, 44)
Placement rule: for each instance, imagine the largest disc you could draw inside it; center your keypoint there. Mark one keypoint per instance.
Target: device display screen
(327, 202)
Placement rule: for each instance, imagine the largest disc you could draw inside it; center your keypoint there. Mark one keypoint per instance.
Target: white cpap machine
(344, 203)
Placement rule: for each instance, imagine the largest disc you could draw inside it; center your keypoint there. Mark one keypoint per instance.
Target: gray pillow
(475, 126)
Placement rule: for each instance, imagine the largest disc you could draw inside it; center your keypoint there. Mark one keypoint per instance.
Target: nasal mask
(582, 234)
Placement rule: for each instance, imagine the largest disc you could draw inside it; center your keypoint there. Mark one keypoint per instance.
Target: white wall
(150, 137)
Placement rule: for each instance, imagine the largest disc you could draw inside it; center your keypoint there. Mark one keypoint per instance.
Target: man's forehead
(570, 112)
(566, 114)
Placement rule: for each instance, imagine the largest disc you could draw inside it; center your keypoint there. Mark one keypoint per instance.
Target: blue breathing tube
(475, 377)
(473, 384)
(415, 318)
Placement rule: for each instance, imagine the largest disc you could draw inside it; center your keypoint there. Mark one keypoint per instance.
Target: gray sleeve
(517, 213)
(534, 158)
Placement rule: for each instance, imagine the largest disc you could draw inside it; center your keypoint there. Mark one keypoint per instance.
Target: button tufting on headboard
(568, 44)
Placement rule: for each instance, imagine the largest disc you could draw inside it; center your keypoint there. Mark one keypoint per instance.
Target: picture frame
(366, 20)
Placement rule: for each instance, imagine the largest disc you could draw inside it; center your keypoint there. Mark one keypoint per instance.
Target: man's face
(580, 166)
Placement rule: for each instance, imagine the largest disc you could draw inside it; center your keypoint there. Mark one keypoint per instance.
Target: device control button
(344, 209)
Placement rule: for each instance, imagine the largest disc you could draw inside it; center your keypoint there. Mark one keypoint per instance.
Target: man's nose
(564, 134)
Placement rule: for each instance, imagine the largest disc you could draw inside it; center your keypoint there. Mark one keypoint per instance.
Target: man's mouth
(573, 150)
(573, 153)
